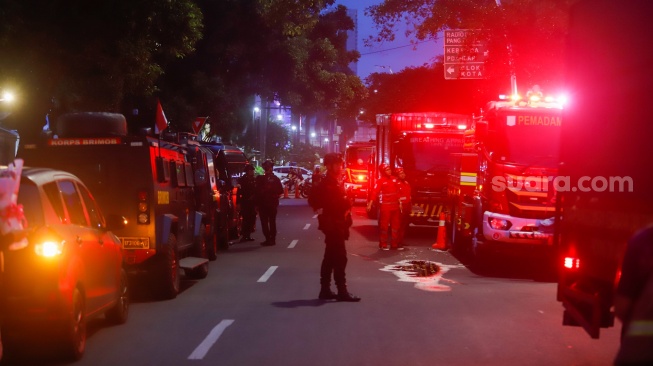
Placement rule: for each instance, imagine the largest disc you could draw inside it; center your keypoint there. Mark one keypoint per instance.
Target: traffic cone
(440, 243)
(297, 191)
(285, 192)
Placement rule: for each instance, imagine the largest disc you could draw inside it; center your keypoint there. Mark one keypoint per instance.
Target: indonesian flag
(161, 121)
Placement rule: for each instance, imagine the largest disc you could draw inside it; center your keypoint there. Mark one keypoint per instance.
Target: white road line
(292, 244)
(315, 216)
(267, 274)
(307, 226)
(210, 340)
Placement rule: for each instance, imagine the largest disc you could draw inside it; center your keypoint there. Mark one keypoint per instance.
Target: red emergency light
(571, 263)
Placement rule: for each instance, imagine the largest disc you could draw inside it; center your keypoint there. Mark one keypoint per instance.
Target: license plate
(135, 243)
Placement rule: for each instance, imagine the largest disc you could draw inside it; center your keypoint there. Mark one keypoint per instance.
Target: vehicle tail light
(571, 263)
(499, 224)
(143, 208)
(49, 248)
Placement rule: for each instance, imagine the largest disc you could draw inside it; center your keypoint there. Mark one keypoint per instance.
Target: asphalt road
(259, 306)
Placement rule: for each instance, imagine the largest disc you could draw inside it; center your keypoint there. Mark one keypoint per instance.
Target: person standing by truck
(386, 193)
(246, 198)
(268, 190)
(405, 205)
(329, 198)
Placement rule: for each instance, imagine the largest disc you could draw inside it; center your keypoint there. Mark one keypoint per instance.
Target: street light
(7, 97)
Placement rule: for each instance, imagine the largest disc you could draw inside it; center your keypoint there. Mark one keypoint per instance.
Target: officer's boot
(344, 295)
(326, 293)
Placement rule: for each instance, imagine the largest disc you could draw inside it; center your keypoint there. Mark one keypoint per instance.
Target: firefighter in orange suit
(386, 194)
(405, 205)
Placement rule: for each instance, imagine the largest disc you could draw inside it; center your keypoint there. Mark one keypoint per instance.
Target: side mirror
(115, 222)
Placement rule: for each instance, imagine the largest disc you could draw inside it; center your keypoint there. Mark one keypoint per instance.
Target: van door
(88, 249)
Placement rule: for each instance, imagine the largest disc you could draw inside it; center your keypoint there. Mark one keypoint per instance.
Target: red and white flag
(161, 121)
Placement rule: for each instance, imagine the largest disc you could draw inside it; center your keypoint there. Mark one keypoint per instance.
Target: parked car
(71, 269)
(282, 171)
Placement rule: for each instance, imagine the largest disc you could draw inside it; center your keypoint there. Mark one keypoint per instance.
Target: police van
(160, 187)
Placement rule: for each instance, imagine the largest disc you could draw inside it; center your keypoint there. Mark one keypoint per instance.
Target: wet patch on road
(425, 274)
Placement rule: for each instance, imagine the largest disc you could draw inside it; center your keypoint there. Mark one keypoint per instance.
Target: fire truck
(357, 160)
(500, 188)
(168, 190)
(421, 143)
(606, 149)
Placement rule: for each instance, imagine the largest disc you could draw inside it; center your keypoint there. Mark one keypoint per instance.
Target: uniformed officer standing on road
(334, 221)
(386, 194)
(268, 190)
(246, 199)
(405, 205)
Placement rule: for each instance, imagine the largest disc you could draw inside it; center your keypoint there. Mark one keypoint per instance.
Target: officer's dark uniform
(246, 198)
(268, 190)
(334, 221)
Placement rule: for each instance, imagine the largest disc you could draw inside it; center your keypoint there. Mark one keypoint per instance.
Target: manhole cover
(425, 274)
(419, 268)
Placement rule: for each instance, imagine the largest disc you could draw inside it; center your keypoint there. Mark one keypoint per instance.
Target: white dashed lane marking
(307, 226)
(292, 244)
(315, 216)
(267, 274)
(210, 340)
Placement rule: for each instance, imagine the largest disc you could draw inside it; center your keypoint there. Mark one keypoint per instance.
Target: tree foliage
(200, 58)
(88, 55)
(422, 89)
(290, 51)
(531, 33)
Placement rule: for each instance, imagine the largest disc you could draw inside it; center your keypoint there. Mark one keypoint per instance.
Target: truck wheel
(119, 313)
(167, 279)
(73, 342)
(91, 124)
(199, 251)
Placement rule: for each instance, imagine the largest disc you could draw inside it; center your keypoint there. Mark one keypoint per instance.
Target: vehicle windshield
(526, 138)
(427, 152)
(358, 157)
